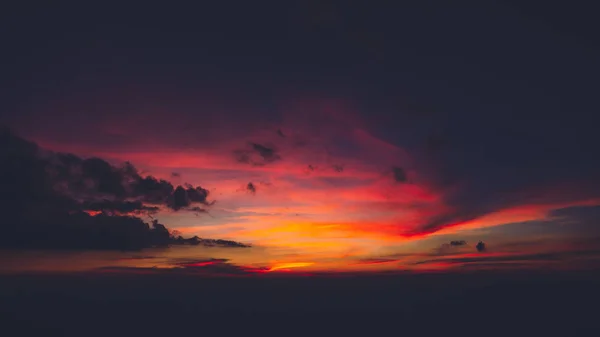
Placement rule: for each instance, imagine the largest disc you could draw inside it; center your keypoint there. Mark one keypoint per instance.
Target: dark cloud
(242, 156)
(104, 177)
(450, 248)
(469, 202)
(310, 169)
(185, 196)
(150, 189)
(480, 246)
(201, 263)
(82, 231)
(207, 267)
(399, 174)
(47, 200)
(507, 164)
(95, 180)
(251, 188)
(119, 207)
(280, 133)
(175, 175)
(257, 155)
(526, 257)
(197, 209)
(197, 194)
(216, 242)
(582, 214)
(338, 168)
(268, 154)
(376, 261)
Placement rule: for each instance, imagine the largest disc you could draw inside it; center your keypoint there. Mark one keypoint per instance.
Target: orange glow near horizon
(290, 265)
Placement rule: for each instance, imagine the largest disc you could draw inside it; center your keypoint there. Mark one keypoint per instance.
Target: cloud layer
(58, 200)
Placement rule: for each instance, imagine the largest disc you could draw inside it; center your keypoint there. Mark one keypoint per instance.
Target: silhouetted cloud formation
(216, 242)
(528, 259)
(208, 267)
(399, 174)
(338, 168)
(47, 200)
(183, 197)
(268, 154)
(251, 188)
(201, 263)
(589, 215)
(197, 209)
(94, 179)
(376, 261)
(257, 155)
(310, 169)
(480, 246)
(115, 207)
(471, 191)
(450, 247)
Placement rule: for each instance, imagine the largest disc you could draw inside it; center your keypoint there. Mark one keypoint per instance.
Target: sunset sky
(330, 138)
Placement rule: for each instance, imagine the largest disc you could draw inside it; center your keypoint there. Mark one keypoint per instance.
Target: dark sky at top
(463, 66)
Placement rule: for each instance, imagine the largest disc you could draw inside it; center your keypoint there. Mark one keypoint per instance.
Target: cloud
(184, 197)
(480, 246)
(399, 174)
(482, 165)
(268, 154)
(216, 243)
(257, 155)
(119, 207)
(589, 215)
(473, 185)
(529, 259)
(95, 180)
(201, 263)
(251, 188)
(47, 200)
(309, 169)
(150, 189)
(450, 248)
(198, 210)
(376, 261)
(206, 267)
(83, 231)
(338, 168)
(175, 175)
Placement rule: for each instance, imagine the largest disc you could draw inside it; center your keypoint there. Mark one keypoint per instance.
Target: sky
(328, 136)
